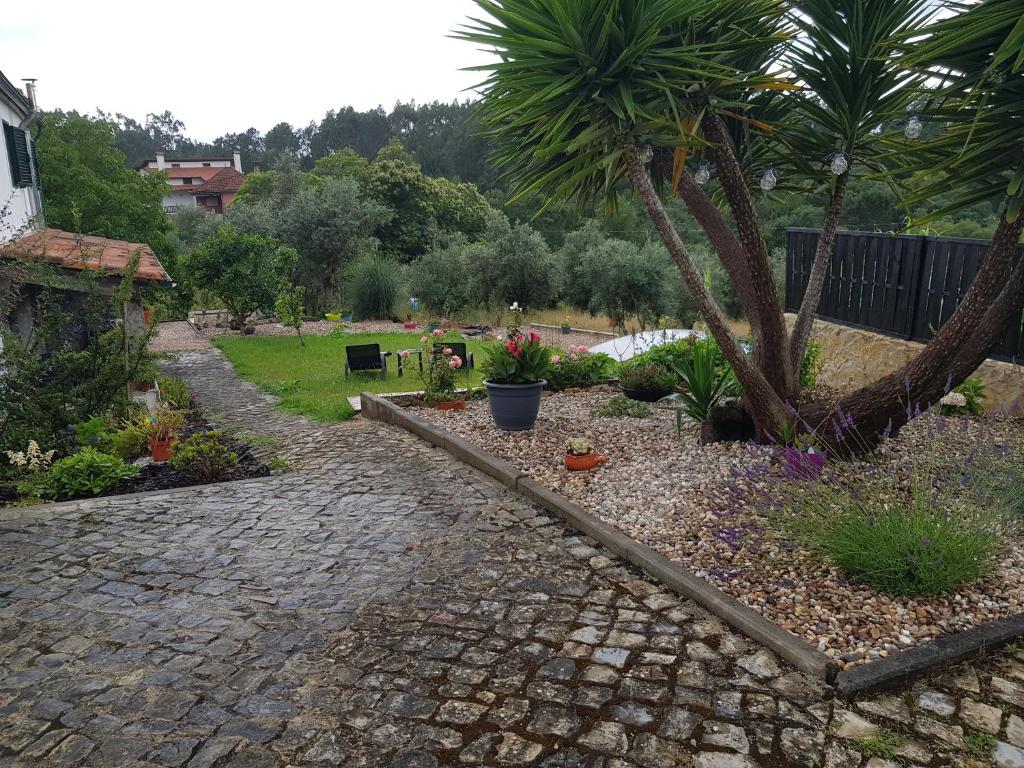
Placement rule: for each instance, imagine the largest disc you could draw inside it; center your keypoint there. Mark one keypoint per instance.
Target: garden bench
(366, 357)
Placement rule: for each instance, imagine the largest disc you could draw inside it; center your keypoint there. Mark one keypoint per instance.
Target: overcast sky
(224, 66)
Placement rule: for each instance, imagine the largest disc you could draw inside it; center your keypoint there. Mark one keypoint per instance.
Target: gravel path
(680, 498)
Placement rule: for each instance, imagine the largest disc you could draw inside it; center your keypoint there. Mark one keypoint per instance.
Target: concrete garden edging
(877, 675)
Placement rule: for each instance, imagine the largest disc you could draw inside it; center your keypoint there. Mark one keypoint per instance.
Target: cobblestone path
(383, 605)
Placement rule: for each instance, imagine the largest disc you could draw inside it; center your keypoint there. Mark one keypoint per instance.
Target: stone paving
(383, 605)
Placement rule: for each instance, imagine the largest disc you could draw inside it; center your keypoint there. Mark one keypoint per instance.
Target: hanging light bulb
(838, 163)
(914, 127)
(769, 180)
(703, 174)
(646, 153)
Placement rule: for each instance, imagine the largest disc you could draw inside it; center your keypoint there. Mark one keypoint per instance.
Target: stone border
(788, 646)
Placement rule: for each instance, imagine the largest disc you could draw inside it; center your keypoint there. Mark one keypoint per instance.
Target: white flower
(954, 400)
(515, 306)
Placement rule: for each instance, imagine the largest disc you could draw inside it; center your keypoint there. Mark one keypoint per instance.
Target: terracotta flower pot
(147, 315)
(804, 466)
(583, 463)
(451, 405)
(161, 450)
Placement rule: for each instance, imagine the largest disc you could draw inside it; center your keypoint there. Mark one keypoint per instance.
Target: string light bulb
(703, 174)
(913, 128)
(769, 180)
(838, 163)
(646, 154)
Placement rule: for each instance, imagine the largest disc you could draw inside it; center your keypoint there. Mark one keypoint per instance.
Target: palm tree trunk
(771, 340)
(819, 268)
(766, 407)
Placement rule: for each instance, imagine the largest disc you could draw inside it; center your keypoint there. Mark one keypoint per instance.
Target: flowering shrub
(521, 358)
(32, 459)
(648, 376)
(965, 400)
(577, 367)
(439, 374)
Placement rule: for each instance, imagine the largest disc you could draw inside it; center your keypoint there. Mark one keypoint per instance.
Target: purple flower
(925, 543)
(887, 431)
(949, 384)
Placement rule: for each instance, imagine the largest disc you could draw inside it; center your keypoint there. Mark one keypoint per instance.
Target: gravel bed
(669, 492)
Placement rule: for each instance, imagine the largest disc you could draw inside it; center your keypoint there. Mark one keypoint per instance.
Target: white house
(21, 204)
(208, 182)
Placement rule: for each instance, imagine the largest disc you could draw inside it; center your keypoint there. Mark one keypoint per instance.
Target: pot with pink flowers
(515, 376)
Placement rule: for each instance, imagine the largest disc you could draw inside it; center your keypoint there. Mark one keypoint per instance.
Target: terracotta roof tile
(189, 173)
(228, 180)
(73, 251)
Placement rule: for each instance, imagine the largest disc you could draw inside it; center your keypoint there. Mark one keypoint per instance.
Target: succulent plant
(578, 446)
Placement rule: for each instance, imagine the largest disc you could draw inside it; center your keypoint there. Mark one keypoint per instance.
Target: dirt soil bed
(678, 497)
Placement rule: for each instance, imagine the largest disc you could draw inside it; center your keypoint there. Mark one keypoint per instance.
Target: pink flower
(572, 355)
(582, 349)
(438, 332)
(455, 362)
(535, 337)
(447, 351)
(424, 339)
(555, 359)
(403, 354)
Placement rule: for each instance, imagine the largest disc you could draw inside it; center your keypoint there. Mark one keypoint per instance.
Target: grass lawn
(310, 379)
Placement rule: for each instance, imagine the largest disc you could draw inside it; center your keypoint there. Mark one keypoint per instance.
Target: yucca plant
(706, 379)
(591, 98)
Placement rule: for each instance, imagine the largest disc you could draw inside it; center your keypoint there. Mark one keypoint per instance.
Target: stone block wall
(854, 357)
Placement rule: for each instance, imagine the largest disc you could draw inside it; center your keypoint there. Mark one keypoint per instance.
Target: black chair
(458, 348)
(366, 357)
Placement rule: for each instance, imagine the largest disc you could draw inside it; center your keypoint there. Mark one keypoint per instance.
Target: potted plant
(515, 377)
(804, 460)
(332, 317)
(646, 381)
(161, 428)
(580, 455)
(566, 327)
(434, 325)
(439, 374)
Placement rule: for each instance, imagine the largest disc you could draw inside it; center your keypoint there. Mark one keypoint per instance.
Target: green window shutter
(20, 154)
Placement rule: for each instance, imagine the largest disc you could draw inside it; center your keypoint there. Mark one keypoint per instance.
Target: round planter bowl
(645, 395)
(584, 463)
(514, 407)
(161, 450)
(804, 466)
(566, 331)
(451, 405)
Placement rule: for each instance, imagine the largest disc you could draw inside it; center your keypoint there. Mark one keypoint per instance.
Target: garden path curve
(383, 605)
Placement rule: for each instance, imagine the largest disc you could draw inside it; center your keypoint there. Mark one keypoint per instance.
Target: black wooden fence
(901, 285)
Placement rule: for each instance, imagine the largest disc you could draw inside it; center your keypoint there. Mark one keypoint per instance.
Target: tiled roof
(189, 173)
(73, 251)
(228, 180)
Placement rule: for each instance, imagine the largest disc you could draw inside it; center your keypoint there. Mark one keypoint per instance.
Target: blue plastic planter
(514, 407)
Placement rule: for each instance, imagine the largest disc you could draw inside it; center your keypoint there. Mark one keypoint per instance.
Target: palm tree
(590, 97)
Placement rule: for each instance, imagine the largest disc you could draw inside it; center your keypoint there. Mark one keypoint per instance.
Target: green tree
(346, 162)
(438, 277)
(246, 272)
(629, 282)
(516, 265)
(290, 308)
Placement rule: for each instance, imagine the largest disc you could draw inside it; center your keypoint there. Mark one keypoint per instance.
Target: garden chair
(457, 348)
(366, 357)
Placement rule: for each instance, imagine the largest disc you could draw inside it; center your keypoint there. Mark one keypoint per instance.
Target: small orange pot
(584, 463)
(161, 450)
(147, 315)
(451, 405)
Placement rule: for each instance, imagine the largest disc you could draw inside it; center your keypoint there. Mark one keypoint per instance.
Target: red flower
(535, 338)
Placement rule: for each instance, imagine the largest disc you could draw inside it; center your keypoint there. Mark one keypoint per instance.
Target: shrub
(576, 367)
(620, 406)
(670, 355)
(94, 433)
(628, 282)
(811, 366)
(129, 441)
(87, 473)
(290, 309)
(644, 375)
(374, 285)
(175, 393)
(438, 278)
(965, 400)
(205, 456)
(905, 543)
(514, 266)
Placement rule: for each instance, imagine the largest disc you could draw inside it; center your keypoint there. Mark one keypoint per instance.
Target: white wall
(179, 200)
(192, 164)
(18, 204)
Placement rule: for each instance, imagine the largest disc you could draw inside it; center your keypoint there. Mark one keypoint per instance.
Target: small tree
(629, 282)
(246, 272)
(290, 308)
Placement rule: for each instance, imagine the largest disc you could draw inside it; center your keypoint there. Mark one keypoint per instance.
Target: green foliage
(175, 393)
(901, 544)
(577, 368)
(520, 360)
(972, 394)
(811, 366)
(94, 433)
(516, 266)
(438, 278)
(344, 163)
(623, 407)
(205, 456)
(440, 369)
(627, 282)
(646, 376)
(129, 441)
(246, 272)
(706, 379)
(290, 308)
(374, 287)
(87, 473)
(884, 744)
(980, 744)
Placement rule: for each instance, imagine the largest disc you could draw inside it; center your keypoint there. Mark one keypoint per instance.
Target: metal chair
(458, 348)
(360, 358)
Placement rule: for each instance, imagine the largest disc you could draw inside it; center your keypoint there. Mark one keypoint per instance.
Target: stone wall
(855, 357)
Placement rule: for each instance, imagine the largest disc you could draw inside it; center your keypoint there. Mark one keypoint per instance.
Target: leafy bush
(576, 367)
(669, 355)
(900, 544)
(290, 309)
(965, 400)
(811, 366)
(87, 473)
(621, 406)
(628, 282)
(129, 441)
(514, 266)
(205, 456)
(94, 433)
(644, 375)
(519, 360)
(438, 278)
(175, 393)
(707, 379)
(374, 285)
